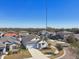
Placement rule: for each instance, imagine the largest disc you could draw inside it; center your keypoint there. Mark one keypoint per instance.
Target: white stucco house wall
(32, 41)
(42, 44)
(2, 48)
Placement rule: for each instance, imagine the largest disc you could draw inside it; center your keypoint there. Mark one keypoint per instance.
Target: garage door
(29, 46)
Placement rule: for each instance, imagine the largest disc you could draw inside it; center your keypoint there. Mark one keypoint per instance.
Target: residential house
(64, 34)
(1, 34)
(10, 34)
(76, 36)
(56, 37)
(44, 32)
(32, 41)
(2, 48)
(41, 44)
(47, 33)
(23, 33)
(9, 44)
(52, 33)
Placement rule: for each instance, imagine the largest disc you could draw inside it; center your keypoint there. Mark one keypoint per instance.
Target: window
(43, 43)
(7, 47)
(14, 47)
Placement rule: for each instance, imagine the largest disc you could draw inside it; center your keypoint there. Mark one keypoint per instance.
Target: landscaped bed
(48, 50)
(58, 55)
(20, 55)
(50, 53)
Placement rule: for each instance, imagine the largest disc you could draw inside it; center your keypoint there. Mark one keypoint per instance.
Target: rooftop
(9, 39)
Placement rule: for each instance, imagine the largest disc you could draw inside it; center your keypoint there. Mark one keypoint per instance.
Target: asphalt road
(69, 54)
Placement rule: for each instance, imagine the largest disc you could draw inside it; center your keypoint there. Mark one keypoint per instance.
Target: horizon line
(41, 27)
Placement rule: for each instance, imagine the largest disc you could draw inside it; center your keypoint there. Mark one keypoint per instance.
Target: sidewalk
(2, 57)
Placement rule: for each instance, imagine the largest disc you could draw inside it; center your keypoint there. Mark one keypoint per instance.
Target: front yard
(20, 55)
(57, 55)
(50, 53)
(47, 51)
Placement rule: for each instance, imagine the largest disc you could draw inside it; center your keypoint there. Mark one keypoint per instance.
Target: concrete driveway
(36, 54)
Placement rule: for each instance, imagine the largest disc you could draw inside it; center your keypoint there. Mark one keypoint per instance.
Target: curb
(2, 57)
(62, 55)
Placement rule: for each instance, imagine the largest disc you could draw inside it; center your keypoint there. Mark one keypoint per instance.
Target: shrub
(59, 47)
(10, 52)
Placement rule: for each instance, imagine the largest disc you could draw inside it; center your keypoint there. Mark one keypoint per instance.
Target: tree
(71, 39)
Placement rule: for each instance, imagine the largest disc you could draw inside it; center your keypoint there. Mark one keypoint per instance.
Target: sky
(31, 13)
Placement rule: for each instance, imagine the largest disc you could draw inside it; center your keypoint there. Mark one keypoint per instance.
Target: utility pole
(46, 13)
(46, 18)
(44, 37)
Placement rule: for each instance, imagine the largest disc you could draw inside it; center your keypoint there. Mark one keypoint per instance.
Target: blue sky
(31, 13)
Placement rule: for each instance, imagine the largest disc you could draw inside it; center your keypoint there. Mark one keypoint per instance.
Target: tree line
(74, 30)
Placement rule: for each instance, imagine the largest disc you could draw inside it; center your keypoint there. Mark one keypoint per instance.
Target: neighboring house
(76, 36)
(2, 48)
(44, 32)
(56, 37)
(52, 33)
(10, 34)
(10, 43)
(31, 41)
(47, 33)
(19, 38)
(64, 34)
(1, 34)
(23, 33)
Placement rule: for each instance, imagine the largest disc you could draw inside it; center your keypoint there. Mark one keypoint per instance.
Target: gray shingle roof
(9, 39)
(27, 39)
(76, 36)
